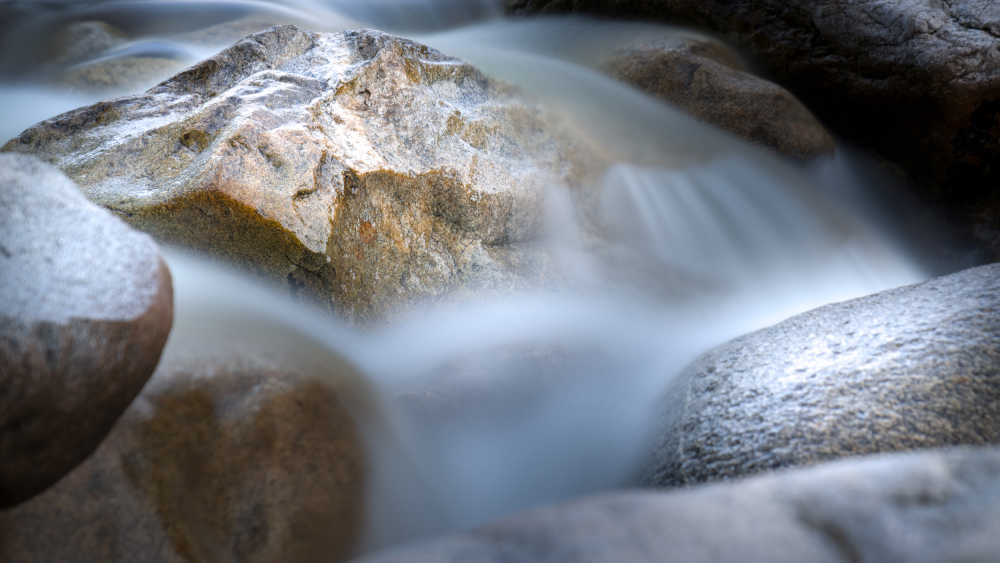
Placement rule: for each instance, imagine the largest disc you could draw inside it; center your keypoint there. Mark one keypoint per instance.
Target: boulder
(219, 459)
(85, 308)
(706, 79)
(916, 80)
(934, 506)
(362, 168)
(913, 367)
(36, 37)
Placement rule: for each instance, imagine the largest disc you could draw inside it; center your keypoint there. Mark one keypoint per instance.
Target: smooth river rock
(219, 459)
(941, 506)
(708, 80)
(86, 304)
(362, 168)
(913, 367)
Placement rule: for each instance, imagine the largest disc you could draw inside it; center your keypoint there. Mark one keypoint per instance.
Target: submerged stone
(81, 40)
(932, 506)
(362, 168)
(219, 459)
(118, 73)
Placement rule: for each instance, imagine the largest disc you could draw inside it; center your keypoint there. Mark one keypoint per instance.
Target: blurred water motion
(688, 237)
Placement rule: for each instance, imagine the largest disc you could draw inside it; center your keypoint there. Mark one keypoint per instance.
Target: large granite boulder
(916, 79)
(85, 308)
(708, 80)
(940, 506)
(359, 167)
(913, 367)
(219, 459)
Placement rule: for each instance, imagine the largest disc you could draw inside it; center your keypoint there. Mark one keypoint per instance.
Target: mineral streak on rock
(363, 168)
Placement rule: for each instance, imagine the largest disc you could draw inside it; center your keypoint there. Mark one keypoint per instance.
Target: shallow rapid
(479, 408)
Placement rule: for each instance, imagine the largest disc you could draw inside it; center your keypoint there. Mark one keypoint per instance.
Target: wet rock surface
(916, 80)
(913, 367)
(708, 80)
(358, 167)
(85, 308)
(932, 506)
(219, 459)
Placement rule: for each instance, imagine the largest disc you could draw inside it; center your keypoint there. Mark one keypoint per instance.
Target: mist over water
(473, 410)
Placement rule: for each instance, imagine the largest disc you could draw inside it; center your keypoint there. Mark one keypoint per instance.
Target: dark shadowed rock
(217, 460)
(85, 308)
(913, 367)
(939, 506)
(708, 80)
(359, 167)
(918, 80)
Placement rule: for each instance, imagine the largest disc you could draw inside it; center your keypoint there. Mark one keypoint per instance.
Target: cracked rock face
(932, 506)
(358, 167)
(219, 459)
(914, 367)
(918, 80)
(707, 80)
(86, 304)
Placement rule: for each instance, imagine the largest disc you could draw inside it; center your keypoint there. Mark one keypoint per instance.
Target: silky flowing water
(475, 409)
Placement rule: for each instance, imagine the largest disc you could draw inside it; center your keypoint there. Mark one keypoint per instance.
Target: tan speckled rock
(218, 460)
(359, 167)
(86, 304)
(709, 81)
(913, 367)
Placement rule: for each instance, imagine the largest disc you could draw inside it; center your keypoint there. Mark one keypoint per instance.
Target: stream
(550, 393)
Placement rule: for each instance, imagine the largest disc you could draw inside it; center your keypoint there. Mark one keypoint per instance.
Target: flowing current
(477, 409)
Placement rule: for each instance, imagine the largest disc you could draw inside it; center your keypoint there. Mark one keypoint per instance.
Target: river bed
(712, 237)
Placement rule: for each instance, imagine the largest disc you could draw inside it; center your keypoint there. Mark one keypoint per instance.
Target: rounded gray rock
(941, 506)
(912, 367)
(85, 311)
